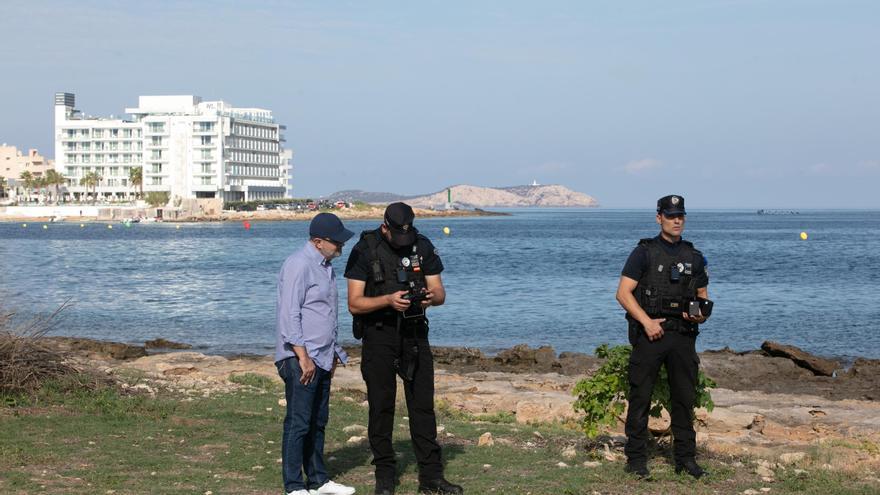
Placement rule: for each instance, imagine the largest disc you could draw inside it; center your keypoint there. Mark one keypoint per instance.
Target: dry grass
(27, 363)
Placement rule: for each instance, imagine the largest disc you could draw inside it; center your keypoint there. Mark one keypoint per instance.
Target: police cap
(671, 205)
(399, 219)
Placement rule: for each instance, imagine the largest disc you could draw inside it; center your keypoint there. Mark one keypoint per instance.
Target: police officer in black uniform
(393, 276)
(661, 278)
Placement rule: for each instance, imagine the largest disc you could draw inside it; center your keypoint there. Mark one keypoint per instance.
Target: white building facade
(187, 148)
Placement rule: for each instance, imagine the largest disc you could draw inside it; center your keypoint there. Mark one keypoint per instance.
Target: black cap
(671, 205)
(329, 226)
(399, 218)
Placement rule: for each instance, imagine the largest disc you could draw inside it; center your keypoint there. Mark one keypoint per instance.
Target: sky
(733, 104)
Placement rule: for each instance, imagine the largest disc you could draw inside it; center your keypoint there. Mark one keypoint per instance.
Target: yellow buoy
(178, 227)
(82, 225)
(24, 225)
(804, 236)
(446, 230)
(109, 226)
(45, 226)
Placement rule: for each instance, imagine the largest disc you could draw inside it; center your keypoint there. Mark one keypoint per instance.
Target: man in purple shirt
(306, 354)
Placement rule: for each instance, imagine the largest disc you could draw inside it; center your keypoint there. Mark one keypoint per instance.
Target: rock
(355, 429)
(457, 356)
(537, 434)
(764, 471)
(257, 468)
(750, 492)
(161, 343)
(180, 371)
(569, 452)
(486, 440)
(522, 355)
(561, 464)
(115, 350)
(792, 457)
(356, 440)
(819, 366)
(282, 402)
(543, 409)
(487, 467)
(591, 464)
(757, 424)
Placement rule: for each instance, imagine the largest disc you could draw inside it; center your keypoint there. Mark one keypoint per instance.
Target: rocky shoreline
(765, 406)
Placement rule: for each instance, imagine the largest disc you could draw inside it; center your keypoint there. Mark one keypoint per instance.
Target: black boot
(691, 467)
(384, 487)
(638, 468)
(439, 485)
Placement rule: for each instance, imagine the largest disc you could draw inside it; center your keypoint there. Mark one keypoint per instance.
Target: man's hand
(428, 295)
(397, 301)
(693, 319)
(308, 370)
(333, 369)
(654, 330)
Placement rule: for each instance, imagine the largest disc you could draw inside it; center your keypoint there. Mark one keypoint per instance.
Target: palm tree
(53, 178)
(136, 178)
(28, 179)
(2, 186)
(91, 179)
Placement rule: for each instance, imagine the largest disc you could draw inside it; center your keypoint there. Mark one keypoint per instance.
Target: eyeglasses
(331, 241)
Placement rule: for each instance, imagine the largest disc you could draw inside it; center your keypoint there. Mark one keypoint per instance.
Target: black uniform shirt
(358, 266)
(637, 263)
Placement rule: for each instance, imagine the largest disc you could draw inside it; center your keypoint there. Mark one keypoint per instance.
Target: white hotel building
(187, 147)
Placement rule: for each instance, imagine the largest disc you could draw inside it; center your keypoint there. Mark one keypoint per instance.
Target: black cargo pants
(380, 350)
(677, 351)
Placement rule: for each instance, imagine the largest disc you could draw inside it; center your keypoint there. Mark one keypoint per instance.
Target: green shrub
(157, 198)
(602, 397)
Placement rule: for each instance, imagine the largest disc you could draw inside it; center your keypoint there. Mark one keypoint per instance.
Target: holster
(407, 362)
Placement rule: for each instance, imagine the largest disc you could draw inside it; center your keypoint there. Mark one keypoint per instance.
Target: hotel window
(97, 133)
(126, 133)
(155, 181)
(156, 141)
(156, 155)
(156, 127)
(206, 140)
(126, 158)
(71, 133)
(112, 158)
(126, 145)
(114, 133)
(206, 168)
(156, 168)
(206, 155)
(86, 158)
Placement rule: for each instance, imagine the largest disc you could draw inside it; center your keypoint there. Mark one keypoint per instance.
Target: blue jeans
(302, 443)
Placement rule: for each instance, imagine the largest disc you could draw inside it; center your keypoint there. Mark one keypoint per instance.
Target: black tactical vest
(388, 272)
(670, 282)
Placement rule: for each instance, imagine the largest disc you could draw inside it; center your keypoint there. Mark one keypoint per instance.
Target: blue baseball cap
(329, 226)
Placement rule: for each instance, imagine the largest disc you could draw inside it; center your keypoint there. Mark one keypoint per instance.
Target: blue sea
(538, 276)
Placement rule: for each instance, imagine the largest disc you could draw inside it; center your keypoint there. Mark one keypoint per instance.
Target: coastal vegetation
(136, 179)
(167, 442)
(602, 397)
(157, 198)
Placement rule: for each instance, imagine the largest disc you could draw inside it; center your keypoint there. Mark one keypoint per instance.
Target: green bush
(602, 397)
(157, 198)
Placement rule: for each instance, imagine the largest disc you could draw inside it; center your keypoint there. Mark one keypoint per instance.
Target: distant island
(469, 197)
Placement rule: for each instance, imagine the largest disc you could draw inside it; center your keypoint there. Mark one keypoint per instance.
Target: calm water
(536, 277)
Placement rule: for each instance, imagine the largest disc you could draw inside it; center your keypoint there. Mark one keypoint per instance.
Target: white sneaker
(333, 488)
(299, 492)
